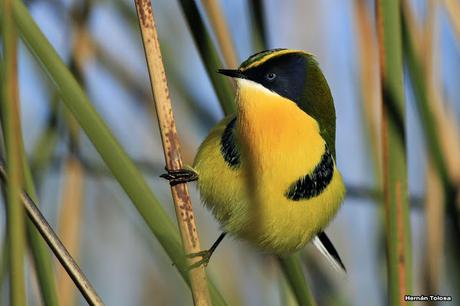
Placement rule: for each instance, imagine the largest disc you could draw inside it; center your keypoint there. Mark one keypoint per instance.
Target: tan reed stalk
(70, 224)
(370, 86)
(224, 38)
(453, 10)
(171, 146)
(211, 60)
(434, 215)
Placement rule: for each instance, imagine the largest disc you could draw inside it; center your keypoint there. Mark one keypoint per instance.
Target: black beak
(233, 73)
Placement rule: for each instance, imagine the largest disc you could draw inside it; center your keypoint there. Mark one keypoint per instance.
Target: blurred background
(100, 42)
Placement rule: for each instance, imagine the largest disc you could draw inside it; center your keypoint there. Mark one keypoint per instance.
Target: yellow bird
(268, 172)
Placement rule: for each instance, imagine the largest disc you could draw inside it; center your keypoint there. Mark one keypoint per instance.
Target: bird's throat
(268, 124)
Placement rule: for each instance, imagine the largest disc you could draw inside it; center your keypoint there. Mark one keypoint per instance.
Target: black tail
(325, 246)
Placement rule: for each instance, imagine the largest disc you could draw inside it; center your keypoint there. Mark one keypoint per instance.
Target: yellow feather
(279, 143)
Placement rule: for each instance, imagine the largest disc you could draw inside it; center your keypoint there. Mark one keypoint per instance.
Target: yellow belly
(278, 145)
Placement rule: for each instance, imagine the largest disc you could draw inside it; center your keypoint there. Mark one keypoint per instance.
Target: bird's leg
(180, 176)
(206, 254)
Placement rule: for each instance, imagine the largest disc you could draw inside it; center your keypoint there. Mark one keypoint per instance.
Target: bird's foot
(206, 254)
(180, 176)
(205, 257)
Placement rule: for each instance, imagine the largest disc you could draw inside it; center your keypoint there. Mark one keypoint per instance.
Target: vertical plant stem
(223, 87)
(370, 99)
(259, 33)
(371, 107)
(12, 134)
(453, 10)
(287, 296)
(40, 252)
(171, 146)
(223, 35)
(3, 263)
(394, 151)
(69, 223)
(292, 268)
(434, 215)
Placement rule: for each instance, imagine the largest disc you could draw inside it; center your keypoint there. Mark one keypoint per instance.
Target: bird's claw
(205, 257)
(180, 176)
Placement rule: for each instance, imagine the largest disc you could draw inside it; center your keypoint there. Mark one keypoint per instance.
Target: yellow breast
(276, 134)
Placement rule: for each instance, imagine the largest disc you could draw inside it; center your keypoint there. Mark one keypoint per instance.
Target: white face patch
(251, 85)
(248, 89)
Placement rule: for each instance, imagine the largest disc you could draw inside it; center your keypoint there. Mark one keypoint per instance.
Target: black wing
(228, 147)
(314, 183)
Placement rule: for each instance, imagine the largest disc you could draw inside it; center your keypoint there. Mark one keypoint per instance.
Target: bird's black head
(295, 75)
(280, 70)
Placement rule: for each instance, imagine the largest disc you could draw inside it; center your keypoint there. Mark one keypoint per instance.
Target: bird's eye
(270, 76)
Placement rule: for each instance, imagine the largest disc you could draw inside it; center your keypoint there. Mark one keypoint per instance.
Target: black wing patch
(228, 146)
(311, 185)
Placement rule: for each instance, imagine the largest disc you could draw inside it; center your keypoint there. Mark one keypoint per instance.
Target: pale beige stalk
(434, 208)
(453, 10)
(69, 224)
(219, 25)
(370, 86)
(182, 203)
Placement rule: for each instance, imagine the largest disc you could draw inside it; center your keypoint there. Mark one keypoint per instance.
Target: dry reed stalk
(370, 87)
(453, 10)
(171, 146)
(69, 224)
(434, 212)
(224, 38)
